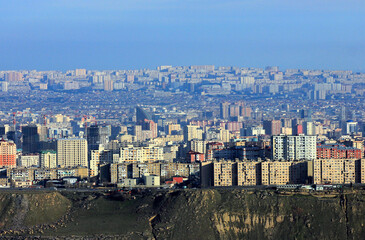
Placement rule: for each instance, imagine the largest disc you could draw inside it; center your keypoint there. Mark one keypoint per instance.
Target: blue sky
(124, 34)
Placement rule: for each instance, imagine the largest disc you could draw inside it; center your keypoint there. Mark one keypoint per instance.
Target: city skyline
(174, 66)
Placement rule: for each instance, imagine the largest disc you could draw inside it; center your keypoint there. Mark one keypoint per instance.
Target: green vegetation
(184, 214)
(41, 205)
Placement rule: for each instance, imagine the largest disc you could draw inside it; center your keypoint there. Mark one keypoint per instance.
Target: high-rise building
(48, 159)
(141, 154)
(234, 110)
(30, 139)
(247, 80)
(3, 131)
(343, 114)
(172, 128)
(192, 132)
(224, 174)
(80, 72)
(334, 171)
(93, 137)
(94, 163)
(272, 127)
(286, 122)
(7, 154)
(151, 126)
(308, 128)
(197, 146)
(97, 135)
(4, 86)
(281, 173)
(137, 132)
(335, 151)
(224, 135)
(108, 85)
(142, 114)
(15, 136)
(13, 77)
(300, 147)
(43, 133)
(224, 110)
(246, 111)
(351, 127)
(306, 114)
(297, 129)
(248, 173)
(130, 78)
(296, 121)
(72, 152)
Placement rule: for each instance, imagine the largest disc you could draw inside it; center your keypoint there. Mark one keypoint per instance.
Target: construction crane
(14, 119)
(85, 119)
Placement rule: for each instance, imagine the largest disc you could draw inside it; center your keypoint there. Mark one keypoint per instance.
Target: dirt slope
(189, 214)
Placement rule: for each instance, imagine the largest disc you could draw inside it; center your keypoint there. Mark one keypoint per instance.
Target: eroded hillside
(185, 214)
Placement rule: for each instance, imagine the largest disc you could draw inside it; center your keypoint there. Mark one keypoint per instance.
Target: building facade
(290, 148)
(72, 152)
(7, 154)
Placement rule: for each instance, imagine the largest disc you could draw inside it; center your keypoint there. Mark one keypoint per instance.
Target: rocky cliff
(185, 214)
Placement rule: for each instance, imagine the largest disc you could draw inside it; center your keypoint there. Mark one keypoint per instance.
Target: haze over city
(62, 35)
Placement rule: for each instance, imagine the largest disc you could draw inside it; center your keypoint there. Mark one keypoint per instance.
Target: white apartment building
(300, 147)
(141, 154)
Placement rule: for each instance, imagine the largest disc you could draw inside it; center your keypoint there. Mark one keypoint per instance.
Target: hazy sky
(133, 34)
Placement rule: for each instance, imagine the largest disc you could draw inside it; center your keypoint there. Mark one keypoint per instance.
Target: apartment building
(141, 154)
(281, 173)
(336, 151)
(72, 152)
(224, 173)
(248, 173)
(336, 171)
(7, 153)
(48, 159)
(292, 148)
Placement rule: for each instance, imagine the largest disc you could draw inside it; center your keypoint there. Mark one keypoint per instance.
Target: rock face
(188, 214)
(19, 211)
(232, 214)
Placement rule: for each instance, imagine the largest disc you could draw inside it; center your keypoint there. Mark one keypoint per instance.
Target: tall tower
(93, 137)
(30, 139)
(224, 110)
(141, 115)
(343, 114)
(272, 127)
(137, 132)
(108, 85)
(2, 131)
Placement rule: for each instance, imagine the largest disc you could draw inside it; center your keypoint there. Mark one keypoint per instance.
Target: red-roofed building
(337, 152)
(195, 157)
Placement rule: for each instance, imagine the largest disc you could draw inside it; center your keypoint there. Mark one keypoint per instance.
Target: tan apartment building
(281, 173)
(248, 173)
(224, 174)
(336, 171)
(72, 152)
